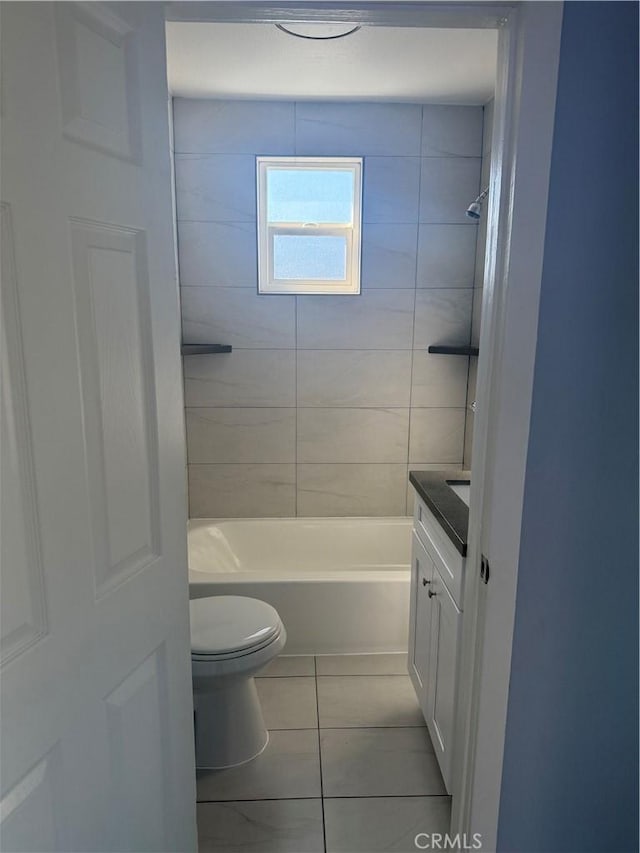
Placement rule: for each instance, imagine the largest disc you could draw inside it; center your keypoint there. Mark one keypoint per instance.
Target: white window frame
(267, 283)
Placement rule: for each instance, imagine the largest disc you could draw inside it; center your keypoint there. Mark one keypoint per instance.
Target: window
(309, 212)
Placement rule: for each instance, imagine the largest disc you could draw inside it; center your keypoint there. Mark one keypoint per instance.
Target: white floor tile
(375, 700)
(373, 825)
(288, 768)
(288, 665)
(379, 763)
(288, 703)
(271, 826)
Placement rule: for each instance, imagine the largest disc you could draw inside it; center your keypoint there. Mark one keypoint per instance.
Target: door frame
(524, 116)
(516, 209)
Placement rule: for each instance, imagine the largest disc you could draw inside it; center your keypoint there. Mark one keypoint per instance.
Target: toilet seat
(225, 627)
(237, 654)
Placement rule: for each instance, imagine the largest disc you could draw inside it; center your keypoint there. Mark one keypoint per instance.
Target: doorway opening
(416, 104)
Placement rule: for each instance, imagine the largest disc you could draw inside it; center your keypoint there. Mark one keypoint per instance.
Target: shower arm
(482, 196)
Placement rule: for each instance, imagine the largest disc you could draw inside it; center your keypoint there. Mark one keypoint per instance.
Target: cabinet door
(421, 581)
(443, 658)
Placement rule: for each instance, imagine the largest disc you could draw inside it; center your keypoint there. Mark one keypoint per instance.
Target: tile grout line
(324, 831)
(336, 797)
(349, 728)
(340, 675)
(295, 391)
(474, 296)
(210, 155)
(295, 354)
(401, 464)
(415, 303)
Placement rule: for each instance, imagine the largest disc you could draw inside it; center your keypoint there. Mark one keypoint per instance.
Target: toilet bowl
(232, 639)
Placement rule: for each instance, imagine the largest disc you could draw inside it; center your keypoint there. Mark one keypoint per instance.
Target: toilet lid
(228, 623)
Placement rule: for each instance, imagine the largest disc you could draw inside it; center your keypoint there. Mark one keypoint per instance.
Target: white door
(97, 750)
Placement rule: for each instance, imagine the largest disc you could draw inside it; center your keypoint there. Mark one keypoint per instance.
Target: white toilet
(232, 638)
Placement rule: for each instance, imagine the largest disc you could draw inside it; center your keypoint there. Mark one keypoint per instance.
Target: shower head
(475, 208)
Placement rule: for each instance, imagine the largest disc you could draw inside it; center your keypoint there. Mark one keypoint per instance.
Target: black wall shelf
(438, 350)
(204, 349)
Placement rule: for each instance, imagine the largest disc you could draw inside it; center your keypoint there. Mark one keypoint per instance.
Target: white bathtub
(340, 585)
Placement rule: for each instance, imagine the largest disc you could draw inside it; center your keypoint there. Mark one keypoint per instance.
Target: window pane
(310, 195)
(309, 258)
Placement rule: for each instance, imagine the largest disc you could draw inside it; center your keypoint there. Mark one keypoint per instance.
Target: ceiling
(449, 66)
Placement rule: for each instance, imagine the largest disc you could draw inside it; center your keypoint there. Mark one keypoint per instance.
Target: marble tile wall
(325, 402)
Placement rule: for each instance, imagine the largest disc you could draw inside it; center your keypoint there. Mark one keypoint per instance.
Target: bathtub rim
(196, 521)
(398, 573)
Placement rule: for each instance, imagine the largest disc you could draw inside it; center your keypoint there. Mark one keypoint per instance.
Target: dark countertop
(449, 509)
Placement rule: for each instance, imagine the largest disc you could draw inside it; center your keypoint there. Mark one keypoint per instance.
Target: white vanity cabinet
(434, 630)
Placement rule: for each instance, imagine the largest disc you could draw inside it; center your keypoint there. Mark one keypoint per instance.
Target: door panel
(23, 611)
(97, 72)
(421, 619)
(138, 733)
(116, 360)
(97, 741)
(445, 629)
(30, 813)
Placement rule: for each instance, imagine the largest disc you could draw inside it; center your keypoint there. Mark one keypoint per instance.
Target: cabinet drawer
(448, 561)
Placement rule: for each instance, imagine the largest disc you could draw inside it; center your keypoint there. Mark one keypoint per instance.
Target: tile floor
(349, 767)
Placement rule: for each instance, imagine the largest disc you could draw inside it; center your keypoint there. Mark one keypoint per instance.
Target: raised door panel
(98, 78)
(447, 560)
(23, 617)
(116, 361)
(140, 749)
(420, 621)
(445, 630)
(30, 810)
